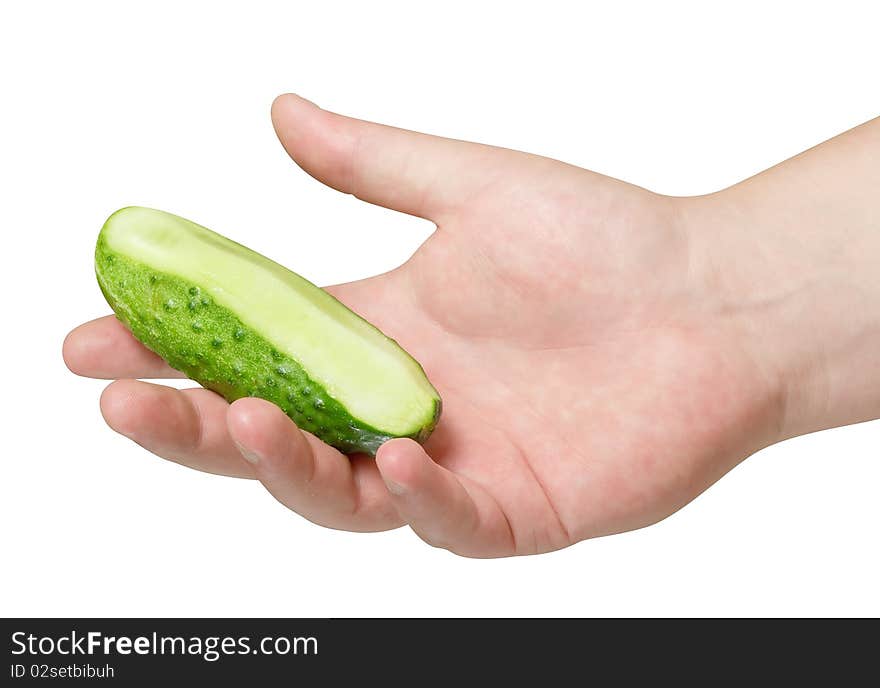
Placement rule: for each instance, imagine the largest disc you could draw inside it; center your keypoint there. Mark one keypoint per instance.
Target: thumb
(414, 173)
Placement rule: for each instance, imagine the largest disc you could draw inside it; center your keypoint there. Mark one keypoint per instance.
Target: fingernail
(310, 102)
(248, 455)
(126, 432)
(299, 97)
(393, 487)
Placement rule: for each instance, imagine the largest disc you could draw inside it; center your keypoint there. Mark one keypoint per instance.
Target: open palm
(567, 319)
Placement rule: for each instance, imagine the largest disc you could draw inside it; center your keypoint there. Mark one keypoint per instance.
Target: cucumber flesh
(244, 325)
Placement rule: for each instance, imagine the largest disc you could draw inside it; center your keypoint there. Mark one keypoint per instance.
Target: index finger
(106, 350)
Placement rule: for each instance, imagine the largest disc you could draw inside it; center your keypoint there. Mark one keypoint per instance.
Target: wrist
(789, 271)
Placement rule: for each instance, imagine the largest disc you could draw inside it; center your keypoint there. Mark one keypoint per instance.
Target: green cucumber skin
(211, 345)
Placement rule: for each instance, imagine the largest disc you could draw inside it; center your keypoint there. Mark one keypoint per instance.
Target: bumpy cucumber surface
(243, 325)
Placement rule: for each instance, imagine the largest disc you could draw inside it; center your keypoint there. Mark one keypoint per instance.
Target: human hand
(597, 369)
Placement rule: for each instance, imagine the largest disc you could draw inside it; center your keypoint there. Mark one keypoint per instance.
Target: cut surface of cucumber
(243, 325)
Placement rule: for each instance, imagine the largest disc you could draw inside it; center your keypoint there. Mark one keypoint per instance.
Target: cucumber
(243, 325)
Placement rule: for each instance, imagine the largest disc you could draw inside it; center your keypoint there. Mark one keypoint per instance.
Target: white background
(166, 105)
